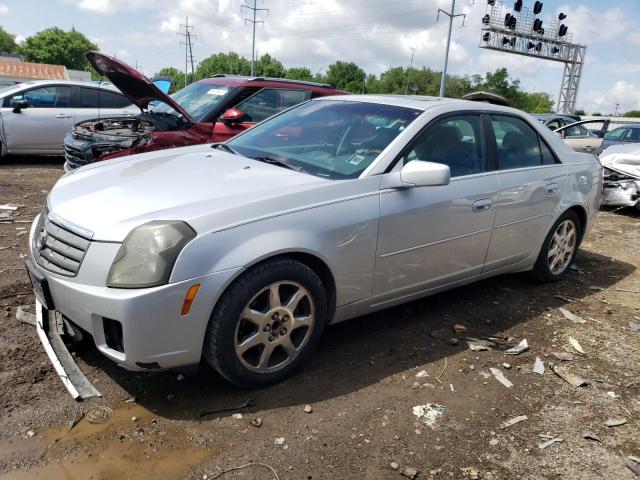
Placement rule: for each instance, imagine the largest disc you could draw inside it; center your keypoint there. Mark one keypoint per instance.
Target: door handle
(550, 188)
(587, 148)
(63, 115)
(482, 205)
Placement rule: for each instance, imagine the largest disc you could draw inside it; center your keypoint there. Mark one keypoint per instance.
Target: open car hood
(623, 159)
(135, 86)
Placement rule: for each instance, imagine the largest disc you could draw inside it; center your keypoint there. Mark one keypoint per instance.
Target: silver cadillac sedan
(240, 253)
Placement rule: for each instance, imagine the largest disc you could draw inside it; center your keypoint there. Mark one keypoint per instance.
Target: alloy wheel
(562, 247)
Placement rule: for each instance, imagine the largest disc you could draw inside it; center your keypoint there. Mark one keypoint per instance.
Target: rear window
(97, 98)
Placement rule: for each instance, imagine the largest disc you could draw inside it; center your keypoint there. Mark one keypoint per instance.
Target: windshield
(198, 99)
(332, 139)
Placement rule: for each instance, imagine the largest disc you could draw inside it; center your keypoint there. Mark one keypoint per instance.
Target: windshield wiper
(280, 163)
(225, 147)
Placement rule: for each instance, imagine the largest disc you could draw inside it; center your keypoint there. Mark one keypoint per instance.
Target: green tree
(228, 63)
(597, 114)
(580, 112)
(7, 42)
(346, 76)
(632, 113)
(267, 66)
(55, 46)
(299, 73)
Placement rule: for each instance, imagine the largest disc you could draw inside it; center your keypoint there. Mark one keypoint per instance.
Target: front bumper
(621, 194)
(139, 329)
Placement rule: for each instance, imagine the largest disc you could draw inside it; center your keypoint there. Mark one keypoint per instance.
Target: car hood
(207, 188)
(134, 85)
(624, 159)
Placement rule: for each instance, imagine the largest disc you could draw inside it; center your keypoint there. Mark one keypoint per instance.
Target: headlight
(147, 255)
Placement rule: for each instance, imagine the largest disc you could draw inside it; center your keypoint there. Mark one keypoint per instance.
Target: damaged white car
(621, 176)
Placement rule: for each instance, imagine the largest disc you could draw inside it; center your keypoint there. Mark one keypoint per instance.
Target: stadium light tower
(522, 32)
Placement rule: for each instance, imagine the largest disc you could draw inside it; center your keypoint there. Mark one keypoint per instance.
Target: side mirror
(234, 116)
(419, 173)
(19, 105)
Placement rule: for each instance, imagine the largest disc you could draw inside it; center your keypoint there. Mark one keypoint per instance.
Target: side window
(633, 135)
(455, 141)
(616, 134)
(576, 131)
(548, 158)
(45, 97)
(96, 98)
(554, 124)
(269, 101)
(518, 144)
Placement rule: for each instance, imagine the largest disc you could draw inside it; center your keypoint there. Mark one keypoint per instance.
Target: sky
(374, 34)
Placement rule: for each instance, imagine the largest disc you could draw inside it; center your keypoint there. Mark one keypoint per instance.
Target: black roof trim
(271, 79)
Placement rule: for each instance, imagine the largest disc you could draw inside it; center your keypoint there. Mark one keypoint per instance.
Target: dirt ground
(361, 385)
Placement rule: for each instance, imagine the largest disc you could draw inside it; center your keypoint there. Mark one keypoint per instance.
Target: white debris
(513, 421)
(506, 366)
(429, 413)
(501, 378)
(180, 377)
(563, 356)
(613, 395)
(279, 441)
(477, 345)
(569, 377)
(422, 374)
(237, 416)
(523, 346)
(538, 366)
(308, 409)
(574, 343)
(571, 316)
(615, 422)
(544, 445)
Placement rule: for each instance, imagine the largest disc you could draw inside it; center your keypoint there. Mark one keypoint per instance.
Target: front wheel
(559, 249)
(267, 323)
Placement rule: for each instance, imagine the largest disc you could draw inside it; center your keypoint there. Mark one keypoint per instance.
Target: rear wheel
(267, 323)
(559, 249)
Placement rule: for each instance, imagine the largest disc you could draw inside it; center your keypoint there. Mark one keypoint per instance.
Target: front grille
(75, 157)
(58, 249)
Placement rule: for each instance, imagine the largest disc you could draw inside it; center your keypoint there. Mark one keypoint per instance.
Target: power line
(253, 24)
(187, 48)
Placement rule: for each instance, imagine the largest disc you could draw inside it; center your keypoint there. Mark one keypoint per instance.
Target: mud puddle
(132, 444)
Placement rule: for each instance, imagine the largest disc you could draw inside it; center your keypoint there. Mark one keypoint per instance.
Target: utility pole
(253, 23)
(451, 16)
(187, 47)
(615, 114)
(413, 52)
(193, 73)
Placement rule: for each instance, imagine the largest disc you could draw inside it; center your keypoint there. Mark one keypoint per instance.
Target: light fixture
(486, 36)
(517, 6)
(563, 30)
(537, 8)
(486, 19)
(562, 16)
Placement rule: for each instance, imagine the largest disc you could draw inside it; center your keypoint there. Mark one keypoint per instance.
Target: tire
(252, 321)
(542, 270)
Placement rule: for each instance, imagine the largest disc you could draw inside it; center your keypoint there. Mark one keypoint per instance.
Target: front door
(41, 127)
(432, 236)
(531, 182)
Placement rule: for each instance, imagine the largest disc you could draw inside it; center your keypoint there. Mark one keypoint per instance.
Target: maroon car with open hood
(207, 111)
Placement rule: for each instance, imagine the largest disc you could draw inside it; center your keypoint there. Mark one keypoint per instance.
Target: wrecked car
(239, 253)
(207, 111)
(621, 175)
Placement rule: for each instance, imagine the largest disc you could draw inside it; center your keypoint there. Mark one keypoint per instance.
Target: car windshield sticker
(356, 159)
(216, 91)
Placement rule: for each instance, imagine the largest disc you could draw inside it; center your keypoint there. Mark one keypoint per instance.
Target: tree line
(56, 46)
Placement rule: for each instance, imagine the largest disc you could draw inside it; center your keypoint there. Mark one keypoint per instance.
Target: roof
(489, 97)
(35, 83)
(271, 79)
(28, 70)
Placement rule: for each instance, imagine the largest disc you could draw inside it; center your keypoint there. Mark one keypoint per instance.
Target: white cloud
(625, 94)
(97, 6)
(3, 9)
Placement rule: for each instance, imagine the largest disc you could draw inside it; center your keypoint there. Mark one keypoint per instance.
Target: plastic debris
(591, 436)
(615, 422)
(25, 317)
(538, 366)
(571, 316)
(501, 378)
(506, 366)
(634, 327)
(422, 374)
(237, 416)
(411, 473)
(477, 345)
(569, 377)
(394, 465)
(523, 346)
(256, 422)
(6, 217)
(613, 394)
(548, 443)
(564, 356)
(98, 414)
(279, 441)
(429, 413)
(308, 409)
(458, 328)
(513, 421)
(574, 343)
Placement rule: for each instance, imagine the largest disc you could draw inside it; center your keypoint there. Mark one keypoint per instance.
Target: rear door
(263, 104)
(41, 127)
(581, 140)
(432, 236)
(91, 102)
(531, 179)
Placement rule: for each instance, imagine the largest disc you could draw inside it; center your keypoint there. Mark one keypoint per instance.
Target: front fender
(343, 235)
